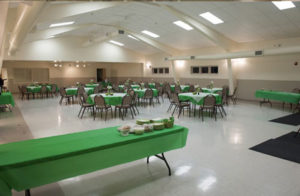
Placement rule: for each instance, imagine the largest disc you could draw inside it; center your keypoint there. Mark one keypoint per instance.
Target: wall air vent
(258, 52)
(121, 32)
(192, 57)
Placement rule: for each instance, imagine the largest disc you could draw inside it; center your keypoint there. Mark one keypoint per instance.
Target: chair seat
(87, 105)
(184, 104)
(103, 107)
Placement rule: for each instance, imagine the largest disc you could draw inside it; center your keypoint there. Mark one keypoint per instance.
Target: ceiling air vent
(258, 52)
(121, 32)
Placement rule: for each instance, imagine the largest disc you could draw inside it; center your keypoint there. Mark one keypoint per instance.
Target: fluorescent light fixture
(211, 18)
(183, 25)
(150, 34)
(116, 43)
(61, 24)
(130, 36)
(283, 5)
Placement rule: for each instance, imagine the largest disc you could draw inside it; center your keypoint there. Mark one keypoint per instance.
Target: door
(100, 75)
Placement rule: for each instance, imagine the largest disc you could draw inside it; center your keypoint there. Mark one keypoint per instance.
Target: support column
(174, 71)
(3, 15)
(230, 76)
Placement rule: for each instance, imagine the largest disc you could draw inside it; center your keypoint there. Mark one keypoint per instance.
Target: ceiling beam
(56, 31)
(153, 43)
(92, 41)
(25, 20)
(214, 36)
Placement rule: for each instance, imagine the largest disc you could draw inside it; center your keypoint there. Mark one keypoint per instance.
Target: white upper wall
(69, 49)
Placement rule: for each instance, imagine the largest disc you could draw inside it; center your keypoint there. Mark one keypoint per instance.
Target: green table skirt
(73, 91)
(32, 163)
(37, 89)
(189, 97)
(184, 88)
(141, 93)
(115, 99)
(213, 90)
(7, 98)
(278, 96)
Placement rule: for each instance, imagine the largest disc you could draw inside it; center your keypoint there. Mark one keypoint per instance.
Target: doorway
(101, 76)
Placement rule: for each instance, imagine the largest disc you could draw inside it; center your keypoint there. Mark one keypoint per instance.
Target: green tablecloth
(152, 85)
(134, 86)
(7, 98)
(184, 88)
(197, 99)
(115, 99)
(73, 91)
(278, 96)
(141, 92)
(91, 85)
(37, 89)
(32, 163)
(213, 90)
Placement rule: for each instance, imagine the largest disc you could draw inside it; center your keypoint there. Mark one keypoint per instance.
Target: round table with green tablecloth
(115, 99)
(197, 99)
(37, 89)
(73, 91)
(141, 92)
(6, 98)
(184, 88)
(211, 90)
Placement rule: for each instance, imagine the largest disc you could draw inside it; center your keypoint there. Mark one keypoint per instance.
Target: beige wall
(69, 74)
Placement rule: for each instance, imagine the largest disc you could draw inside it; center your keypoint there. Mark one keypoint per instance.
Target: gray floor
(215, 161)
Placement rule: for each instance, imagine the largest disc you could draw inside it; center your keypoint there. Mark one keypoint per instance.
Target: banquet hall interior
(160, 98)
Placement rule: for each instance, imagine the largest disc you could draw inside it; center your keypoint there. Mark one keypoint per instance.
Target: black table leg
(265, 101)
(298, 132)
(27, 192)
(162, 157)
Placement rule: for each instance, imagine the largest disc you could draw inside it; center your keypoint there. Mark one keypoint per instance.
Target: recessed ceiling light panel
(211, 18)
(283, 5)
(150, 34)
(183, 25)
(62, 24)
(130, 36)
(116, 43)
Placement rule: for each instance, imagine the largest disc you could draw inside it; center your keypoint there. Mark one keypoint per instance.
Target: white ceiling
(243, 22)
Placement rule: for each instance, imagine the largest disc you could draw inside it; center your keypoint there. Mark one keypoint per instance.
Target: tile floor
(215, 161)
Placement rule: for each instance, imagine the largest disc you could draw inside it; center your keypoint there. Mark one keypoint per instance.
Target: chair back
(80, 90)
(53, 88)
(62, 92)
(85, 97)
(99, 101)
(80, 100)
(209, 101)
(24, 89)
(146, 85)
(148, 94)
(97, 90)
(192, 88)
(296, 90)
(131, 93)
(177, 89)
(126, 101)
(175, 98)
(44, 89)
(157, 85)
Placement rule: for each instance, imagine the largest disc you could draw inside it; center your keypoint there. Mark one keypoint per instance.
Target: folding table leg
(27, 192)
